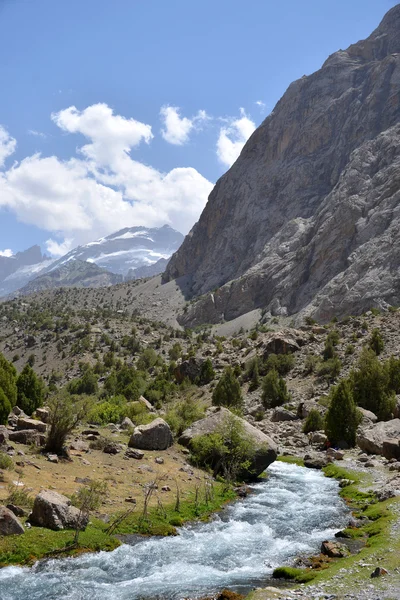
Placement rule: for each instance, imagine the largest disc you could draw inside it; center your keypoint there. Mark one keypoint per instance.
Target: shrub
(107, 412)
(8, 380)
(227, 391)
(371, 385)
(65, 414)
(5, 408)
(376, 342)
(175, 352)
(6, 462)
(314, 421)
(30, 390)
(183, 414)
(329, 351)
(342, 418)
(207, 372)
(311, 363)
(393, 371)
(87, 384)
(138, 413)
(274, 390)
(228, 451)
(349, 349)
(283, 363)
(330, 368)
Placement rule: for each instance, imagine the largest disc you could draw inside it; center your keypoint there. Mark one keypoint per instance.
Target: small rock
(111, 448)
(9, 524)
(17, 510)
(165, 488)
(379, 571)
(334, 549)
(133, 453)
(131, 500)
(53, 458)
(159, 460)
(127, 424)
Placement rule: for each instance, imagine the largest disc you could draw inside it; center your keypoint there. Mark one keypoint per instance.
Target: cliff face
(306, 218)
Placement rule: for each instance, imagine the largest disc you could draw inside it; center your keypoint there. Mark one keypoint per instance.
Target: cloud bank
(232, 138)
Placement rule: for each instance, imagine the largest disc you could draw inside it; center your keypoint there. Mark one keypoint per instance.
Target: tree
(5, 408)
(65, 415)
(228, 391)
(371, 385)
(376, 342)
(207, 372)
(313, 422)
(342, 418)
(30, 390)
(274, 390)
(8, 380)
(87, 384)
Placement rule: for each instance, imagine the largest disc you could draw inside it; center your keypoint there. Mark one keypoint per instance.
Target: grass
(37, 542)
(292, 574)
(292, 460)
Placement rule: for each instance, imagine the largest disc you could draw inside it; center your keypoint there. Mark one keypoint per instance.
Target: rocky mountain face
(307, 219)
(75, 273)
(128, 249)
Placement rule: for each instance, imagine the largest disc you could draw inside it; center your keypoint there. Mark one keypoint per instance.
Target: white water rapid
(289, 513)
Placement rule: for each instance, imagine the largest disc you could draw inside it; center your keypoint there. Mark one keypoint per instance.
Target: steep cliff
(306, 218)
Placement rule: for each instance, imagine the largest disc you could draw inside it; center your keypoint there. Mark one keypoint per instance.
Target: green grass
(292, 574)
(38, 542)
(292, 460)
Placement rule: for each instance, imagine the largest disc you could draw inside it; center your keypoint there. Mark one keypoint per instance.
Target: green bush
(371, 385)
(5, 408)
(330, 368)
(228, 451)
(393, 371)
(30, 390)
(227, 391)
(274, 390)
(313, 422)
(376, 342)
(6, 462)
(87, 384)
(283, 363)
(180, 416)
(8, 380)
(342, 418)
(207, 372)
(311, 363)
(111, 411)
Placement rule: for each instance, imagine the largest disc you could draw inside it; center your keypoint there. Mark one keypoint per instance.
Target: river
(288, 514)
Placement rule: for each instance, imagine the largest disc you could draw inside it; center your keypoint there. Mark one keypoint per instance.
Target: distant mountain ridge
(130, 253)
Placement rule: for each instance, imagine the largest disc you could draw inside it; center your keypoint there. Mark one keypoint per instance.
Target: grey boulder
(382, 438)
(154, 436)
(9, 524)
(54, 511)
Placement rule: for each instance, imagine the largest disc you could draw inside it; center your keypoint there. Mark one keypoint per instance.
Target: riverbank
(376, 526)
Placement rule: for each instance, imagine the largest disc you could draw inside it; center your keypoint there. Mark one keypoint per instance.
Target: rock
(299, 192)
(368, 417)
(91, 432)
(265, 449)
(281, 414)
(127, 424)
(26, 423)
(379, 571)
(304, 408)
(283, 342)
(53, 458)
(80, 446)
(17, 510)
(91, 437)
(159, 460)
(28, 437)
(335, 454)
(396, 412)
(133, 453)
(4, 435)
(334, 549)
(17, 411)
(43, 414)
(317, 437)
(130, 500)
(165, 488)
(189, 369)
(315, 462)
(9, 524)
(154, 436)
(111, 448)
(146, 404)
(113, 427)
(382, 438)
(54, 511)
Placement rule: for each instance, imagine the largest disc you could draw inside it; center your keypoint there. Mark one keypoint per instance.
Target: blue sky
(133, 69)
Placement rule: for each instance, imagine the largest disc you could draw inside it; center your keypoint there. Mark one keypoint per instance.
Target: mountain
(307, 219)
(128, 248)
(74, 273)
(148, 270)
(17, 270)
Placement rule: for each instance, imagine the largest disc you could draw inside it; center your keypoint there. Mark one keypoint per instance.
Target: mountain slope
(17, 270)
(305, 219)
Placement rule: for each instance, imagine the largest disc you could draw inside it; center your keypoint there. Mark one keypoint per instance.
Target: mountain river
(288, 514)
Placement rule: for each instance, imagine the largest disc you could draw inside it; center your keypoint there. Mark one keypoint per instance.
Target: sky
(117, 113)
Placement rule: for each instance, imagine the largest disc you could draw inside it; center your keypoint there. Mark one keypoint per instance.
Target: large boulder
(283, 342)
(265, 448)
(43, 414)
(382, 438)
(28, 436)
(368, 417)
(4, 434)
(54, 511)
(188, 369)
(282, 414)
(154, 436)
(26, 423)
(9, 524)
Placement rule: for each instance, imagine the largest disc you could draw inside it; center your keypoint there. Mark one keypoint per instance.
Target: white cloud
(176, 129)
(103, 189)
(261, 105)
(36, 133)
(7, 145)
(233, 137)
(7, 253)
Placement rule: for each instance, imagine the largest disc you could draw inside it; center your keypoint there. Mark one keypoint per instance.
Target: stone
(334, 549)
(283, 342)
(368, 417)
(79, 446)
(53, 458)
(378, 572)
(43, 414)
(26, 423)
(17, 510)
(317, 437)
(127, 424)
(112, 448)
(146, 404)
(315, 461)
(299, 192)
(165, 488)
(28, 437)
(383, 438)
(133, 453)
(159, 460)
(130, 500)
(4, 435)
(335, 454)
(154, 436)
(9, 523)
(265, 448)
(113, 427)
(188, 369)
(54, 511)
(281, 414)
